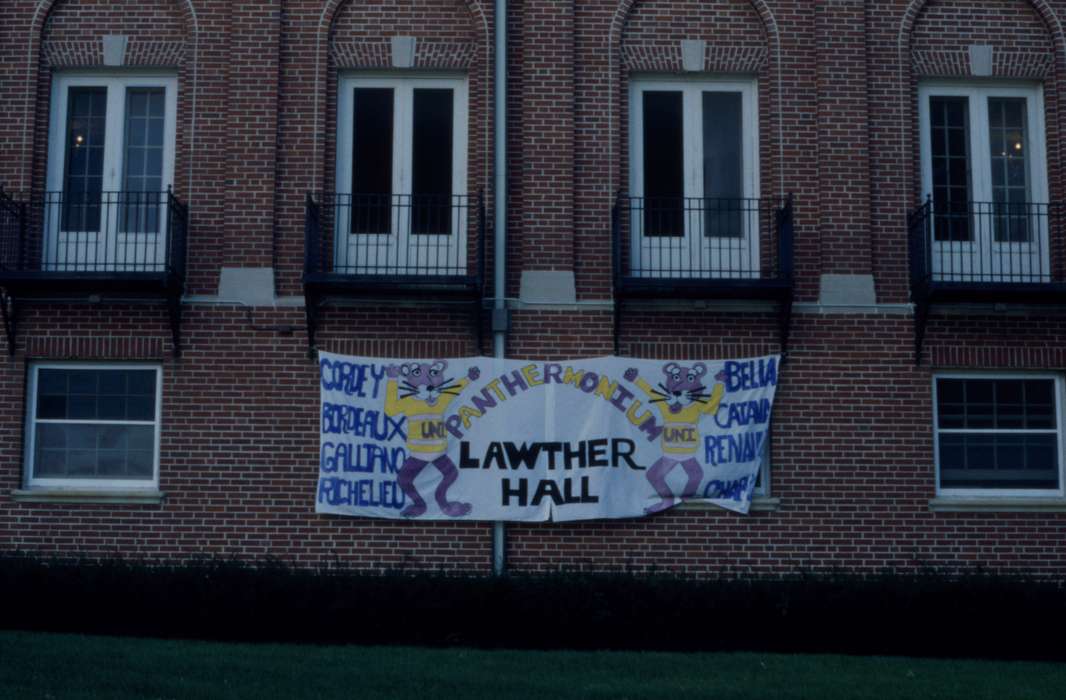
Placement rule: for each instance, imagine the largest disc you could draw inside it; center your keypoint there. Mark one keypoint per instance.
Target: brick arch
(38, 24)
(1042, 8)
(908, 21)
(330, 10)
(614, 38)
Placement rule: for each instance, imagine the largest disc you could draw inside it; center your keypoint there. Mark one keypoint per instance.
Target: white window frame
(85, 484)
(692, 88)
(953, 260)
(1060, 395)
(980, 163)
(403, 87)
(116, 83)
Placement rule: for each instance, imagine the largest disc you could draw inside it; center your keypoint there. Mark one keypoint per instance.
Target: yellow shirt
(681, 430)
(426, 436)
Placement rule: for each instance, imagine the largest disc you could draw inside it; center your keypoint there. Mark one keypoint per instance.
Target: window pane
(94, 451)
(722, 165)
(96, 394)
(1018, 451)
(143, 160)
(950, 159)
(1009, 156)
(951, 403)
(431, 161)
(83, 172)
(372, 160)
(664, 188)
(67, 449)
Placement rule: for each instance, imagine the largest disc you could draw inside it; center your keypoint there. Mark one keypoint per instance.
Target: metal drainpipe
(499, 309)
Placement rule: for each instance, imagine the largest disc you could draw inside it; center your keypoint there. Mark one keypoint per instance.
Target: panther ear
(700, 369)
(439, 365)
(671, 367)
(405, 369)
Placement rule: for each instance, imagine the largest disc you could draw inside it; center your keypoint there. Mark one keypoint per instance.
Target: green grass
(34, 665)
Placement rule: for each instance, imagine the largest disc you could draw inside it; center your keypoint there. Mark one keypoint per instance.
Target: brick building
(871, 186)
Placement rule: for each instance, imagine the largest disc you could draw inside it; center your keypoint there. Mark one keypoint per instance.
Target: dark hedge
(960, 615)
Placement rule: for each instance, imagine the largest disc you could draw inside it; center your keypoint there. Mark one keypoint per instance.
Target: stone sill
(759, 504)
(985, 504)
(88, 496)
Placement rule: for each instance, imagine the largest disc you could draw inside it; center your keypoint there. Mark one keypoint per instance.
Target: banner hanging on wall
(486, 439)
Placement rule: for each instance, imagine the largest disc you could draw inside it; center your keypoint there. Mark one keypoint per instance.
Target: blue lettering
(364, 457)
(733, 449)
(743, 413)
(736, 490)
(750, 374)
(347, 377)
(354, 420)
(364, 493)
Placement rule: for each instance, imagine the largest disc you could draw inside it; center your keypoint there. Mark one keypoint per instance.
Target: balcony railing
(407, 246)
(985, 243)
(696, 241)
(101, 234)
(412, 237)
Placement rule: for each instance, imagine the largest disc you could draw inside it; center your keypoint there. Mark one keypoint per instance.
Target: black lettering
(520, 493)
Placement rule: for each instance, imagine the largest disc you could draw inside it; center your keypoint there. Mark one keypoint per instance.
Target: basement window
(93, 426)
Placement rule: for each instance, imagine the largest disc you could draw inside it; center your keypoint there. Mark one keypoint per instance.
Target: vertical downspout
(499, 190)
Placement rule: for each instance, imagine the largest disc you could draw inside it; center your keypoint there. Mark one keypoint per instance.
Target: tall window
(111, 159)
(694, 174)
(983, 167)
(401, 203)
(999, 434)
(93, 426)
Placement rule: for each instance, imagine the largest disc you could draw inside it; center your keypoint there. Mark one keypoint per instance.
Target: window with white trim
(110, 163)
(984, 170)
(998, 434)
(694, 176)
(93, 426)
(402, 204)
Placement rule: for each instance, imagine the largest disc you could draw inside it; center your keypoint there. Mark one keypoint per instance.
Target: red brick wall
(852, 454)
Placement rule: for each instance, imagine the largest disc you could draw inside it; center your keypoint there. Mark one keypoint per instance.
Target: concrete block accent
(980, 60)
(248, 285)
(692, 52)
(115, 49)
(847, 290)
(548, 287)
(403, 51)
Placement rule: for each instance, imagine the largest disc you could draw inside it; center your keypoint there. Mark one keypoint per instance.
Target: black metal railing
(394, 235)
(984, 242)
(108, 232)
(702, 238)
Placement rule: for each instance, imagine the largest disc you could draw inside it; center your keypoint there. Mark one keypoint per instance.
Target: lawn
(36, 665)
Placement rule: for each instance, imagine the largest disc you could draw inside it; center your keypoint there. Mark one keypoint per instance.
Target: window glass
(372, 160)
(94, 424)
(997, 433)
(431, 161)
(1008, 141)
(723, 174)
(84, 171)
(664, 169)
(949, 124)
(143, 180)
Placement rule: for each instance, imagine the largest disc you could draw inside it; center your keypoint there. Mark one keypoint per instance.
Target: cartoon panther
(422, 396)
(682, 400)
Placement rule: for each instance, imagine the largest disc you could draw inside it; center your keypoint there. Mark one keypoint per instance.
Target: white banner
(485, 439)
